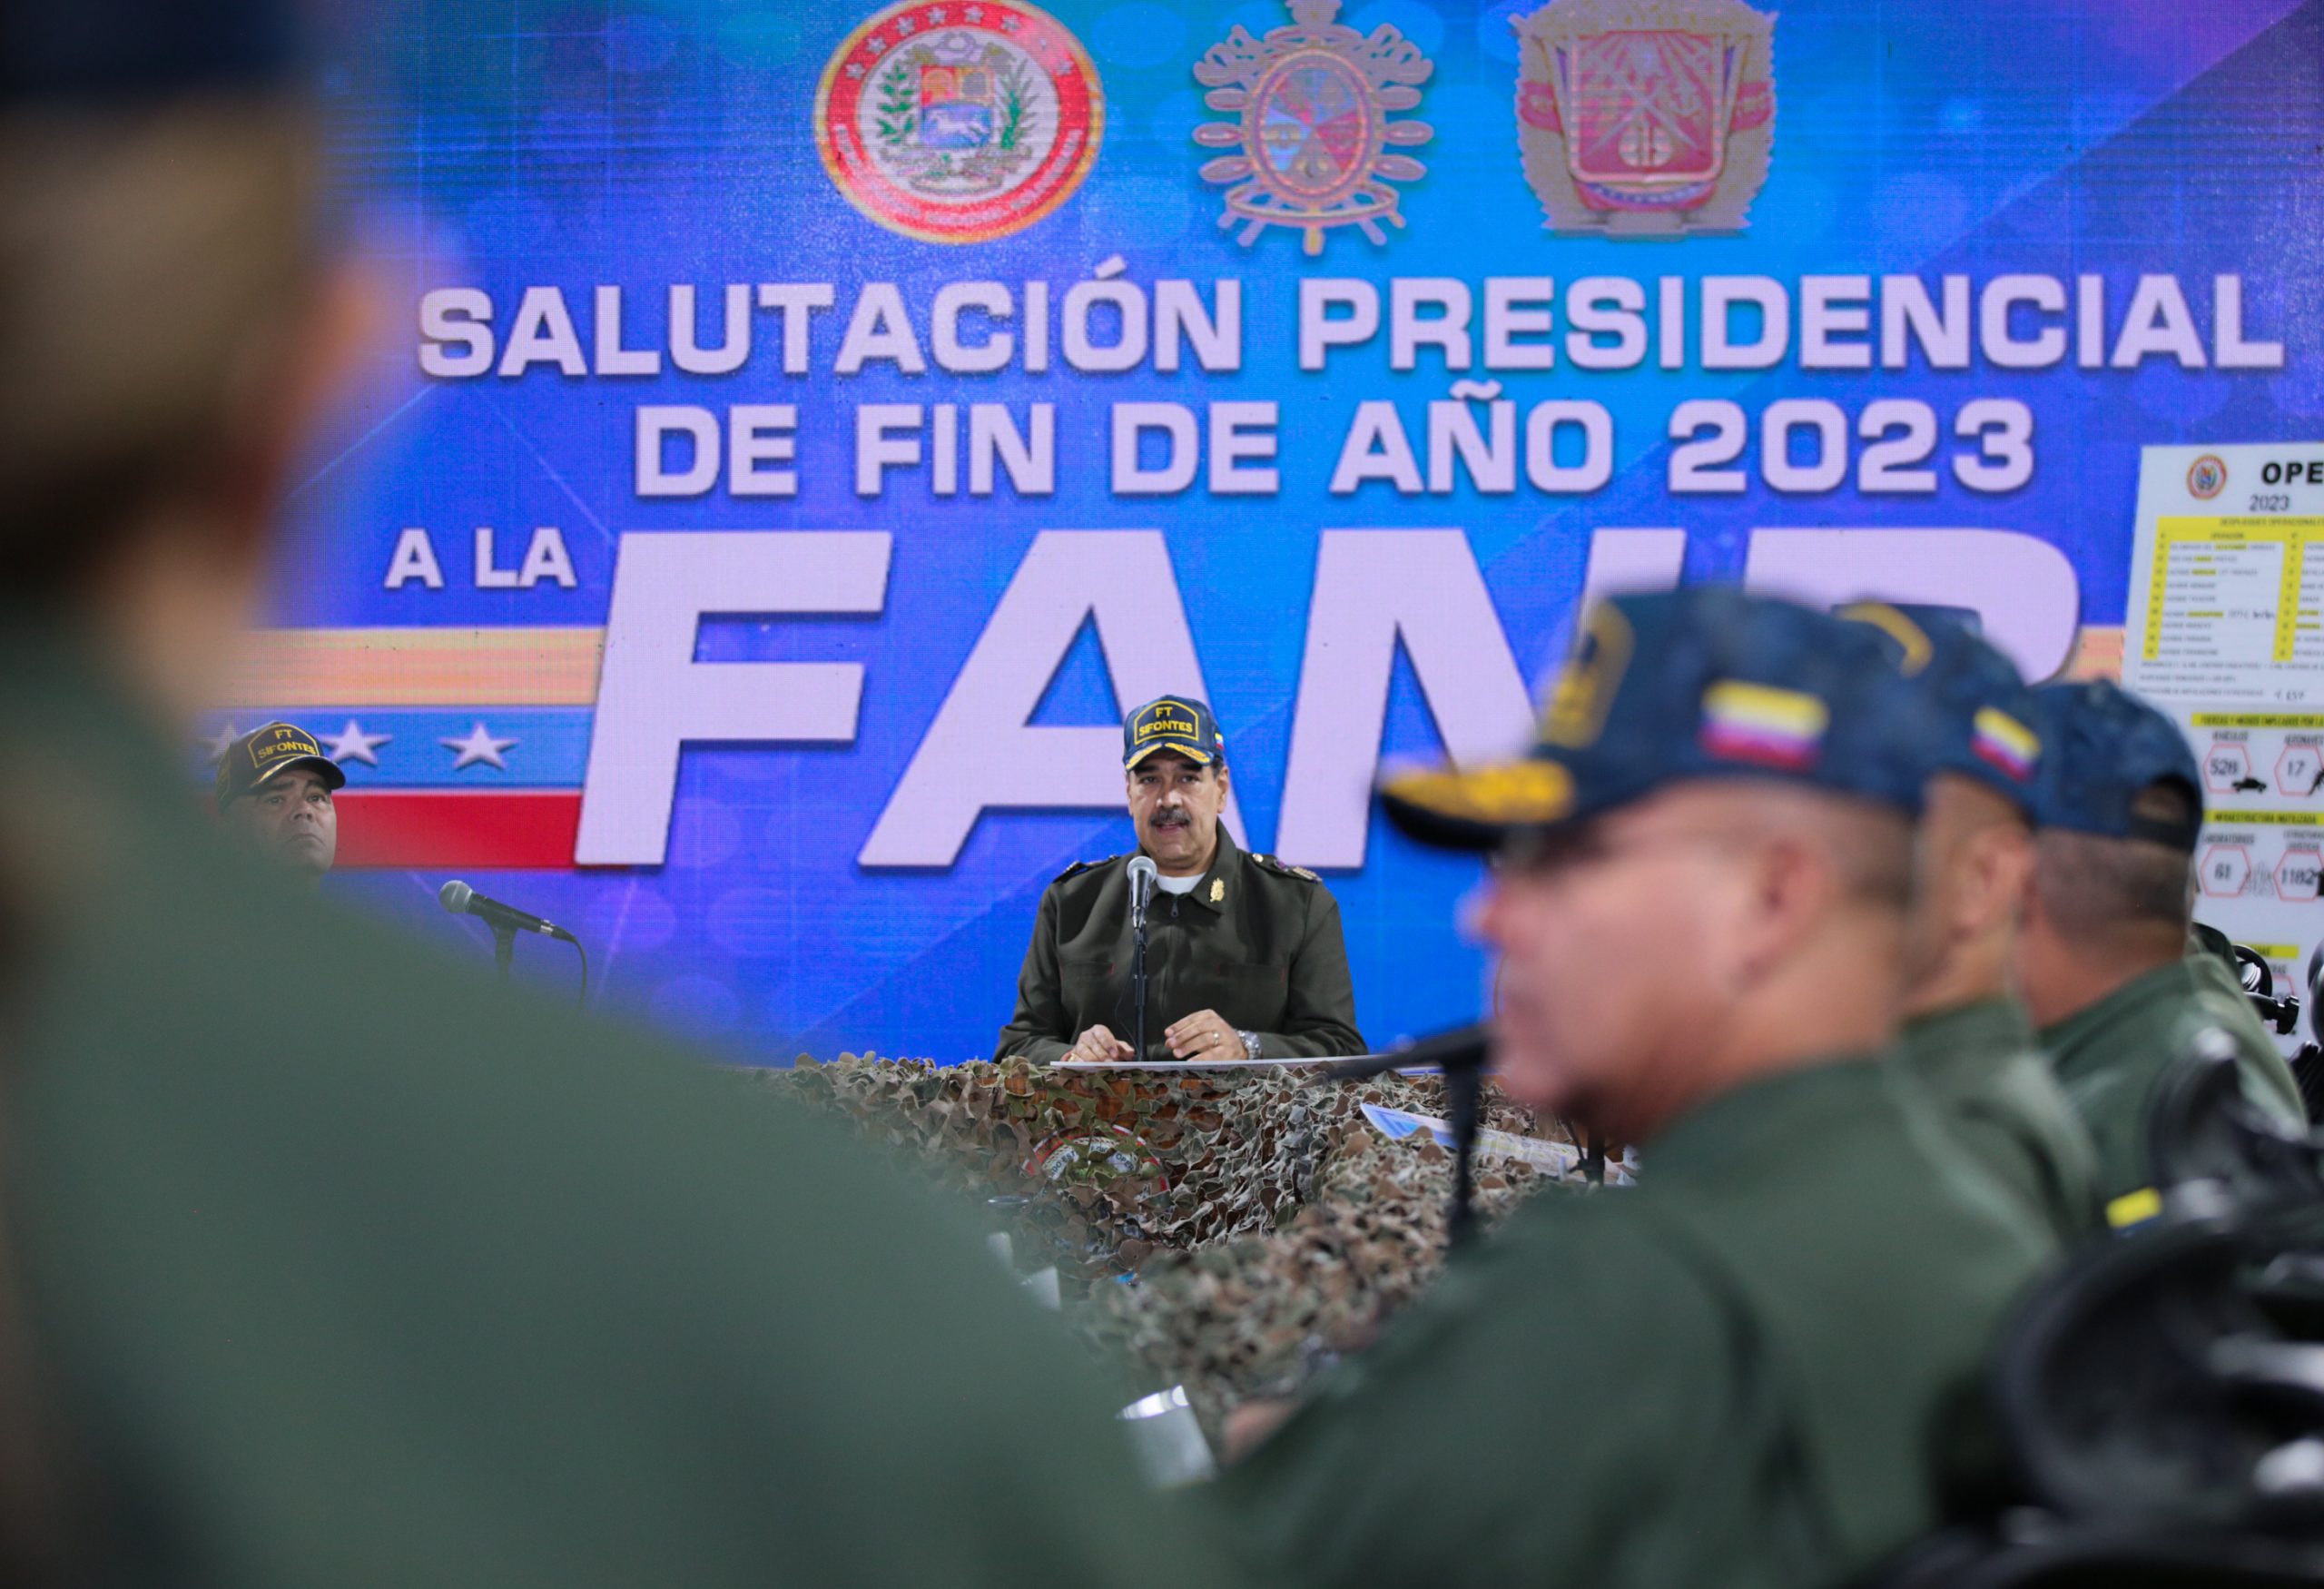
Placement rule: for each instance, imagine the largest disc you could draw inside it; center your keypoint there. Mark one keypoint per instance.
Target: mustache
(1173, 817)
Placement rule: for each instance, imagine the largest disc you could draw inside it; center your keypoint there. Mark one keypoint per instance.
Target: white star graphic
(479, 747)
(352, 744)
(220, 742)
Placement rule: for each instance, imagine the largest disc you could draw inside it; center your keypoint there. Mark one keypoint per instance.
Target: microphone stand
(1464, 1084)
(504, 947)
(1138, 969)
(1461, 1056)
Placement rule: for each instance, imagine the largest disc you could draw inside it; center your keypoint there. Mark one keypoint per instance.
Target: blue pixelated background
(508, 144)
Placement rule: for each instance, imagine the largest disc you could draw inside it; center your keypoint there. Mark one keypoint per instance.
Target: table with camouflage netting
(1231, 1230)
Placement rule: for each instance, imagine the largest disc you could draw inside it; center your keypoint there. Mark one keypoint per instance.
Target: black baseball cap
(1172, 723)
(267, 752)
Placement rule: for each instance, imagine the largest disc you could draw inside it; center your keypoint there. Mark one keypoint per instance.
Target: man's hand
(1100, 1047)
(1204, 1035)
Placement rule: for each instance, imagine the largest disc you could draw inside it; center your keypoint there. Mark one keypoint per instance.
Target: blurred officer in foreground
(471, 1292)
(1245, 958)
(274, 790)
(1729, 1374)
(1966, 1038)
(2102, 958)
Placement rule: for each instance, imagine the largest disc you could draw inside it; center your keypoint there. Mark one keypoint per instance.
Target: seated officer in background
(1966, 1038)
(475, 1291)
(1243, 954)
(274, 794)
(1731, 1372)
(2102, 956)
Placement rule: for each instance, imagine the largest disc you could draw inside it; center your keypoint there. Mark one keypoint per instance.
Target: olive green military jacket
(348, 1267)
(1734, 1374)
(1257, 941)
(1988, 1083)
(2111, 1057)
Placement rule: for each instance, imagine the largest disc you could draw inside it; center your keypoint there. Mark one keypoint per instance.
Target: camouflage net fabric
(1257, 1316)
(1268, 1226)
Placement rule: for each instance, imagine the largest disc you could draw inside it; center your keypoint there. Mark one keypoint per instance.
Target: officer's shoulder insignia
(1285, 869)
(1079, 867)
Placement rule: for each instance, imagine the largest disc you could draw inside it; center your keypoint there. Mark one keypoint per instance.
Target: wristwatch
(1250, 1044)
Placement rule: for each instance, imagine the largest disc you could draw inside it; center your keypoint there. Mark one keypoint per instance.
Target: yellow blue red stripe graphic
(2005, 742)
(1763, 725)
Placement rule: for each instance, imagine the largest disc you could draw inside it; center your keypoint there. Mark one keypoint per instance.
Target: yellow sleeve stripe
(2135, 1208)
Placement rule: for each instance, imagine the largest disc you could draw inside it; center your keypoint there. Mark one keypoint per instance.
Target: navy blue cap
(2105, 747)
(1700, 683)
(132, 51)
(1174, 722)
(1980, 711)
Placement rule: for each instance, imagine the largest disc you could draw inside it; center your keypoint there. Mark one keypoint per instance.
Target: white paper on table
(1395, 1124)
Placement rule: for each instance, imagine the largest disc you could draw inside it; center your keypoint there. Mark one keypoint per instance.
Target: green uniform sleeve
(1319, 1011)
(1500, 1432)
(1037, 1031)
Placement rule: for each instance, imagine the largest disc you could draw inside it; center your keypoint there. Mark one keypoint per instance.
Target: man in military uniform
(2102, 957)
(333, 1262)
(1966, 1038)
(1728, 1374)
(1243, 954)
(274, 789)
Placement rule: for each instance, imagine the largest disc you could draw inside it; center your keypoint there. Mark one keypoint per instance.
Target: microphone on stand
(1142, 874)
(1464, 1048)
(461, 900)
(505, 922)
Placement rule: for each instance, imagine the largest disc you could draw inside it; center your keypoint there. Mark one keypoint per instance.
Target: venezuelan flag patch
(2000, 741)
(1763, 725)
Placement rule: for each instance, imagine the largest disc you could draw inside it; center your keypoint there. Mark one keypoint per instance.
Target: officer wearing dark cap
(274, 789)
(1728, 1374)
(327, 1260)
(1965, 1040)
(1245, 958)
(2102, 957)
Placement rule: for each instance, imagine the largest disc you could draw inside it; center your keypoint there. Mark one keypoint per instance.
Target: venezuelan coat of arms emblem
(956, 123)
(1314, 135)
(1646, 118)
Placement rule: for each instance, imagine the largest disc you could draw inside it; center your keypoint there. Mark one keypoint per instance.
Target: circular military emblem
(2207, 476)
(1314, 106)
(1310, 122)
(956, 123)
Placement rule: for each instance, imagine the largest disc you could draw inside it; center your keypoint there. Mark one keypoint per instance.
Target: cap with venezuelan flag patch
(1983, 713)
(1172, 723)
(1707, 682)
(2107, 749)
(268, 752)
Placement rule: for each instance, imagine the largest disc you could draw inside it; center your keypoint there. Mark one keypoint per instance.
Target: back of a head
(158, 243)
(2120, 813)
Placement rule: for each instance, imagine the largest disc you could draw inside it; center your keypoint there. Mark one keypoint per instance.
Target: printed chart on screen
(2225, 632)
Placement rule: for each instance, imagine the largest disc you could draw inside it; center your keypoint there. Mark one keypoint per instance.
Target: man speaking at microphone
(1243, 954)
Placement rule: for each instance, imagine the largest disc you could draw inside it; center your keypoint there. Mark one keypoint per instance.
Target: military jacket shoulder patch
(1079, 867)
(1285, 869)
